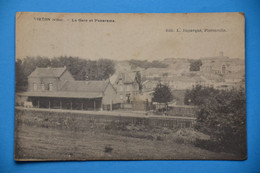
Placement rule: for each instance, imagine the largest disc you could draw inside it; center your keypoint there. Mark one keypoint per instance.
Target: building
(126, 84)
(186, 81)
(149, 85)
(56, 88)
(221, 65)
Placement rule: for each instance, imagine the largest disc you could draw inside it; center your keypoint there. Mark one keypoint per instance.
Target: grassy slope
(34, 141)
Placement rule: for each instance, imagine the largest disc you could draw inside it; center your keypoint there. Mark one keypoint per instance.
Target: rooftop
(48, 72)
(63, 94)
(85, 86)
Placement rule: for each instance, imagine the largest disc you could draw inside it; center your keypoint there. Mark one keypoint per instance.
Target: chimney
(221, 54)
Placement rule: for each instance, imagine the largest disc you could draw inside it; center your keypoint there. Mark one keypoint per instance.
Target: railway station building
(55, 88)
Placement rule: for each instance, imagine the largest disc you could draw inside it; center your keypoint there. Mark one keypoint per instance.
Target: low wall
(84, 121)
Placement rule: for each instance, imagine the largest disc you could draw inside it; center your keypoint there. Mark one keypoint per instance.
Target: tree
(222, 115)
(195, 65)
(80, 69)
(105, 68)
(23, 68)
(162, 94)
(199, 95)
(20, 78)
(138, 79)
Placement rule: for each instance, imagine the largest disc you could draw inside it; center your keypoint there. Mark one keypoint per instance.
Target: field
(46, 135)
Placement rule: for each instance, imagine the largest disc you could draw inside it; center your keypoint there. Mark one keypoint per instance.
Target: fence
(182, 110)
(114, 106)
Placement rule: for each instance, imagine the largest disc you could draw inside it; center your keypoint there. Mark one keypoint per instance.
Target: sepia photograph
(121, 86)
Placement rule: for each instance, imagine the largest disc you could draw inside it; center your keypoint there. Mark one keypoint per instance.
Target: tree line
(81, 69)
(147, 64)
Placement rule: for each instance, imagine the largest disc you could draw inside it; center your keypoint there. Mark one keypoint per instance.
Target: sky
(129, 36)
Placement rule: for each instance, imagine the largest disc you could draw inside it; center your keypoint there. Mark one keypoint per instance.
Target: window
(35, 86)
(121, 88)
(128, 98)
(128, 87)
(50, 87)
(223, 69)
(42, 87)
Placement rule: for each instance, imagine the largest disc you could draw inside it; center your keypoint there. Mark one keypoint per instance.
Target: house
(48, 79)
(234, 77)
(221, 65)
(155, 73)
(212, 80)
(56, 88)
(218, 68)
(126, 84)
(186, 81)
(149, 85)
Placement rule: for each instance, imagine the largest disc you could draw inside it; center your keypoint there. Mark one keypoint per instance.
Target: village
(131, 87)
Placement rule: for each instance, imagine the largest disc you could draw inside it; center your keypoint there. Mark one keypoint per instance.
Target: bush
(222, 115)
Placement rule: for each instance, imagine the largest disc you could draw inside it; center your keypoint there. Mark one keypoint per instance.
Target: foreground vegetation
(222, 116)
(66, 136)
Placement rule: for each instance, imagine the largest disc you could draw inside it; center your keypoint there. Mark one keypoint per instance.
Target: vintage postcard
(130, 86)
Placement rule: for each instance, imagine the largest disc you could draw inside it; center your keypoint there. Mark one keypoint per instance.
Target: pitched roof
(113, 78)
(150, 81)
(48, 72)
(130, 77)
(157, 70)
(85, 86)
(126, 77)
